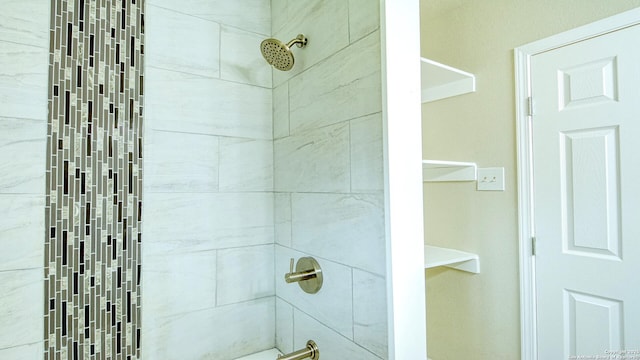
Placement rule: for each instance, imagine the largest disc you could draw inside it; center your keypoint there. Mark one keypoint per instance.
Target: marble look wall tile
(249, 327)
(348, 229)
(24, 74)
(178, 280)
(156, 249)
(367, 162)
(246, 165)
(21, 304)
(332, 305)
(180, 162)
(25, 22)
(282, 219)
(224, 220)
(244, 274)
(240, 58)
(314, 161)
(331, 344)
(364, 18)
(226, 332)
(279, 15)
(284, 326)
(23, 149)
(182, 42)
(324, 22)
(346, 86)
(281, 111)
(190, 103)
(23, 352)
(21, 232)
(251, 15)
(370, 312)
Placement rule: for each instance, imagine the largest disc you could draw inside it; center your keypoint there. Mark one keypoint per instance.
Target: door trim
(522, 60)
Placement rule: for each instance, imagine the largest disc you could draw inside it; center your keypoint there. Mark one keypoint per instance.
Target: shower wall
(215, 150)
(208, 274)
(328, 180)
(24, 49)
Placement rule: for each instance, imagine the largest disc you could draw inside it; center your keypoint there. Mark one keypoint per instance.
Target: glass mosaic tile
(94, 169)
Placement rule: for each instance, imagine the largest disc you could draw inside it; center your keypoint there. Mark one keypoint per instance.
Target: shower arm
(300, 40)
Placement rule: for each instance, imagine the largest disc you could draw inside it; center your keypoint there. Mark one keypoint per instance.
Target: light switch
(491, 179)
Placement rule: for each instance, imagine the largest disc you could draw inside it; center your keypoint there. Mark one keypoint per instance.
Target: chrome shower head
(280, 55)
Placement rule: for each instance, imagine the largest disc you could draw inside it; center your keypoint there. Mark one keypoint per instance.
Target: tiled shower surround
(246, 167)
(243, 169)
(93, 212)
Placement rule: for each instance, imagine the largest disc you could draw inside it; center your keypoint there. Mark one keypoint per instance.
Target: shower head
(280, 55)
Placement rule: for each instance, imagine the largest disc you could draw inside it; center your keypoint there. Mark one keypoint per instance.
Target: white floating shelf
(438, 256)
(440, 81)
(437, 170)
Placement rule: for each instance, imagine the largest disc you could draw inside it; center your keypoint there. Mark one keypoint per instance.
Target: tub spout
(310, 352)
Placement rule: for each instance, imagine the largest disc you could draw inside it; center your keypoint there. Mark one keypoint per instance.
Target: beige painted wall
(477, 316)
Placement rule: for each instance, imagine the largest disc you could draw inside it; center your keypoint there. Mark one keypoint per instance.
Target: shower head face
(277, 54)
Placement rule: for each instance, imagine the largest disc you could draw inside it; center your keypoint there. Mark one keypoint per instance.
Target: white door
(586, 166)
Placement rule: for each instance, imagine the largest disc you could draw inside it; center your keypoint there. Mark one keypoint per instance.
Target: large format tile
(178, 280)
(225, 332)
(21, 232)
(240, 58)
(367, 161)
(246, 164)
(332, 305)
(190, 103)
(22, 151)
(282, 219)
(244, 274)
(24, 74)
(221, 220)
(281, 111)
(284, 326)
(348, 229)
(315, 161)
(279, 15)
(180, 42)
(25, 22)
(180, 162)
(370, 312)
(331, 344)
(364, 18)
(325, 23)
(346, 86)
(251, 15)
(23, 352)
(21, 304)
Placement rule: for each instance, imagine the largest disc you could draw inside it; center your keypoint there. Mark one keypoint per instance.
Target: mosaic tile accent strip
(94, 180)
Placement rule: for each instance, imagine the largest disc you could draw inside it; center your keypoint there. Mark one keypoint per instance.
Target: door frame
(522, 61)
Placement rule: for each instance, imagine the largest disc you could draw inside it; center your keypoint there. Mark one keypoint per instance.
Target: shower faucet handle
(308, 274)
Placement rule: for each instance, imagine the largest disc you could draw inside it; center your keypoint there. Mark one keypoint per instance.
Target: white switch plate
(491, 179)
